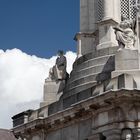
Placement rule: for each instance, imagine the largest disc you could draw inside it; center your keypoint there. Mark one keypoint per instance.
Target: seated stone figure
(125, 34)
(58, 72)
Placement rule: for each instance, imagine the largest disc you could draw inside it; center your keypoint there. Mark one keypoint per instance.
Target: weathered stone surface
(55, 107)
(106, 114)
(127, 59)
(52, 91)
(107, 36)
(93, 12)
(96, 68)
(56, 135)
(70, 133)
(74, 132)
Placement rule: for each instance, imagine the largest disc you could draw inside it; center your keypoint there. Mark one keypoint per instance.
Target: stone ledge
(94, 104)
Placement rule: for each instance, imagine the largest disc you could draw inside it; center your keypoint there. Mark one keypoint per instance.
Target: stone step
(91, 77)
(79, 88)
(92, 55)
(93, 62)
(80, 81)
(83, 84)
(90, 69)
(108, 65)
(85, 72)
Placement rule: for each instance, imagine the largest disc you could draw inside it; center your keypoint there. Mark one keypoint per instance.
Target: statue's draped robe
(125, 35)
(60, 68)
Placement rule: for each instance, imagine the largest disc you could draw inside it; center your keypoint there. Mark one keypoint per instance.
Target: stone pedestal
(77, 38)
(99, 16)
(126, 61)
(111, 18)
(107, 36)
(112, 9)
(52, 91)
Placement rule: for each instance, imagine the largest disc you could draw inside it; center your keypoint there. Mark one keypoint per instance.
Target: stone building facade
(101, 99)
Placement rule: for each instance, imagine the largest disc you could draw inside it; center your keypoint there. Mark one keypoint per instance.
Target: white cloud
(21, 81)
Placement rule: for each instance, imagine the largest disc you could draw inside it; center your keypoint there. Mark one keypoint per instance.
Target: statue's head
(126, 24)
(123, 18)
(60, 53)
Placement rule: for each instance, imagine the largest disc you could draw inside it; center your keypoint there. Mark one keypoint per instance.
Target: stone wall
(79, 131)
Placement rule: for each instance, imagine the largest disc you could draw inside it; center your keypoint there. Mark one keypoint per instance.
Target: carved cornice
(107, 21)
(81, 111)
(84, 34)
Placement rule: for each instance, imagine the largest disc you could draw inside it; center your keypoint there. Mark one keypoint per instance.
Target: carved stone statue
(125, 33)
(58, 72)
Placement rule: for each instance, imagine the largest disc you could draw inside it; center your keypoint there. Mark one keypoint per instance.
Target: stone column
(111, 18)
(108, 9)
(113, 134)
(84, 16)
(117, 10)
(112, 10)
(136, 133)
(25, 118)
(78, 37)
(79, 51)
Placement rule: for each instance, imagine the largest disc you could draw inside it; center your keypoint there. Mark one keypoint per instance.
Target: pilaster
(112, 10)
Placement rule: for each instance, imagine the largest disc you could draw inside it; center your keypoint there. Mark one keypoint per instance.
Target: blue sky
(39, 27)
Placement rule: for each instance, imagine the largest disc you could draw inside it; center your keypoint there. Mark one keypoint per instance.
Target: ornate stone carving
(125, 34)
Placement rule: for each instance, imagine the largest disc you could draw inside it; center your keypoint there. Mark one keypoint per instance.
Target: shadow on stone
(106, 72)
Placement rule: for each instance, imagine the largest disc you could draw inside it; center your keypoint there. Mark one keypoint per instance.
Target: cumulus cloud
(21, 81)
